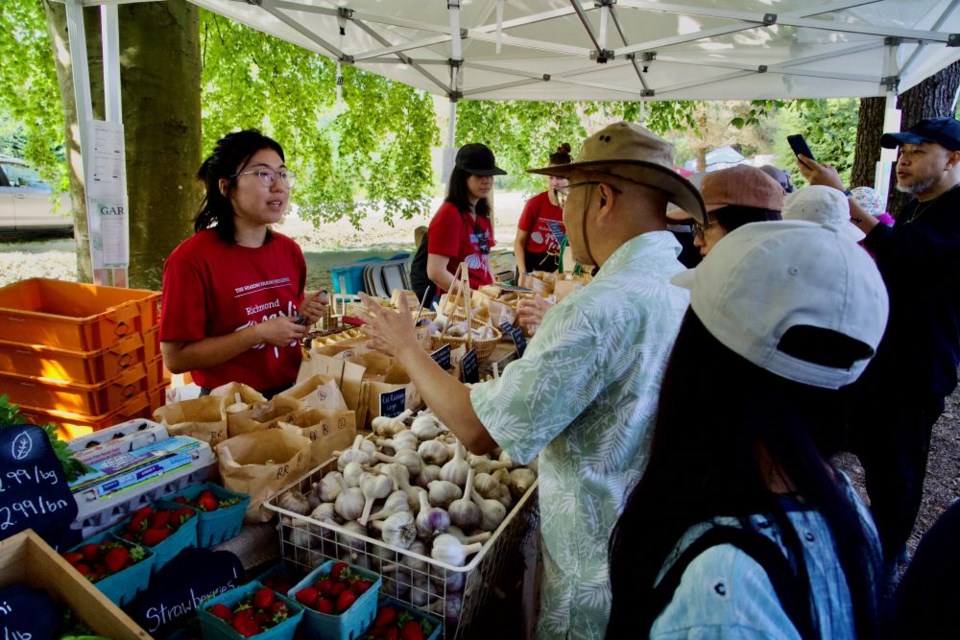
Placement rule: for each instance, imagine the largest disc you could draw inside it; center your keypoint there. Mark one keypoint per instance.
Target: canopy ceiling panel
(623, 49)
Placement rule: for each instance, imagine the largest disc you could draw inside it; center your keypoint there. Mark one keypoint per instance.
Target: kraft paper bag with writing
(202, 418)
(261, 463)
(347, 375)
(394, 379)
(327, 431)
(263, 415)
(317, 392)
(235, 395)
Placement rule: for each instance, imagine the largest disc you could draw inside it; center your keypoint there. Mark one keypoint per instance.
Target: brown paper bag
(347, 375)
(317, 392)
(262, 415)
(201, 418)
(327, 431)
(261, 463)
(394, 379)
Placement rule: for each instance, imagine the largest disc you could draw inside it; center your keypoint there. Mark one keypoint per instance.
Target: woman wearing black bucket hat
(461, 231)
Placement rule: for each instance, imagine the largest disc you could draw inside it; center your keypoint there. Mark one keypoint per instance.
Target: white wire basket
(454, 594)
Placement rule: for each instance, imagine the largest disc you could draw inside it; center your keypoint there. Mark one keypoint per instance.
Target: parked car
(27, 203)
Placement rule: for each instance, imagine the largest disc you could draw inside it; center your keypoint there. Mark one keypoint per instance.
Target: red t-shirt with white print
(454, 234)
(211, 289)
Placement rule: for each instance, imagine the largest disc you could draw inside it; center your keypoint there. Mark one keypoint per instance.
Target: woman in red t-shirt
(461, 230)
(233, 307)
(537, 245)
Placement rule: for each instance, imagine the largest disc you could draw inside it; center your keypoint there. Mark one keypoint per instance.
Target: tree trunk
(867, 152)
(931, 98)
(160, 93)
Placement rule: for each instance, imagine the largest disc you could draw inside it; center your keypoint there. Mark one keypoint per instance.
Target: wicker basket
(483, 347)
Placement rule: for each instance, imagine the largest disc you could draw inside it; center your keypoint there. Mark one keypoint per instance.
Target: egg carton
(328, 541)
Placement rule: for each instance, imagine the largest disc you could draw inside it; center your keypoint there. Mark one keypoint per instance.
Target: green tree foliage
(367, 149)
(830, 128)
(29, 93)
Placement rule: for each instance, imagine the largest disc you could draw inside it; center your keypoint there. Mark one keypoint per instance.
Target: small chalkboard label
(392, 403)
(442, 356)
(517, 336)
(470, 367)
(27, 613)
(33, 490)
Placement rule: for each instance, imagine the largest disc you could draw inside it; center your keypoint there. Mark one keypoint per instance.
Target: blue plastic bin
(344, 626)
(217, 526)
(123, 587)
(182, 538)
(213, 628)
(431, 625)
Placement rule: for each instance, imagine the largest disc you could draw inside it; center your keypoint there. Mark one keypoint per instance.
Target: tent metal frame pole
(110, 40)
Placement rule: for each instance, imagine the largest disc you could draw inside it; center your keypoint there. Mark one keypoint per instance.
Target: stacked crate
(83, 356)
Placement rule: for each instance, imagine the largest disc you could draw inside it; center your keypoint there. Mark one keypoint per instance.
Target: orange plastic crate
(75, 425)
(84, 367)
(158, 396)
(157, 374)
(72, 315)
(89, 399)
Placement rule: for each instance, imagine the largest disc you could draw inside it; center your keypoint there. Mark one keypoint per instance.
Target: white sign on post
(107, 210)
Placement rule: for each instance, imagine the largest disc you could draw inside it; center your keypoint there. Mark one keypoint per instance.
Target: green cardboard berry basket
(217, 526)
(182, 538)
(123, 586)
(213, 628)
(344, 626)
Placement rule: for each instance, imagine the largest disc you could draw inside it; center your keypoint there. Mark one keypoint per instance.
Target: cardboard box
(27, 559)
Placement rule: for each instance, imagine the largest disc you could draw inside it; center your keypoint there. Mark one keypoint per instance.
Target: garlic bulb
(449, 550)
(433, 452)
(349, 504)
(238, 404)
(299, 532)
(486, 485)
(410, 459)
(483, 464)
(452, 582)
(352, 473)
(412, 562)
(426, 428)
(428, 473)
(396, 501)
(520, 481)
(313, 496)
(374, 487)
(420, 593)
(449, 608)
(294, 501)
(502, 495)
(457, 533)
(464, 512)
(455, 470)
(491, 511)
(325, 513)
(330, 486)
(431, 521)
(353, 454)
(442, 493)
(398, 530)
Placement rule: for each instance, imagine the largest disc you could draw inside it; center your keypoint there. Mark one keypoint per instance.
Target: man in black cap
(901, 395)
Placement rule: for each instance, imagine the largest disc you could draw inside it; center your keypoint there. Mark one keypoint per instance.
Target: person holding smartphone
(919, 258)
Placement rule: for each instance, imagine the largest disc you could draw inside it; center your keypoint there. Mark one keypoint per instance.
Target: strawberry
(152, 537)
(264, 598)
(392, 633)
(339, 569)
(307, 596)
(116, 559)
(345, 599)
(84, 569)
(360, 585)
(325, 587)
(279, 611)
(245, 626)
(90, 551)
(73, 557)
(138, 522)
(222, 611)
(181, 500)
(325, 605)
(182, 514)
(206, 502)
(385, 616)
(161, 519)
(411, 631)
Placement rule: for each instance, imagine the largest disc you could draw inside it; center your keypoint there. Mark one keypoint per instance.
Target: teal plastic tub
(122, 587)
(213, 628)
(182, 538)
(344, 626)
(431, 625)
(217, 526)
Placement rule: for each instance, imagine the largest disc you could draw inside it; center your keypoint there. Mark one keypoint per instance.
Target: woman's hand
(530, 312)
(280, 331)
(314, 306)
(390, 332)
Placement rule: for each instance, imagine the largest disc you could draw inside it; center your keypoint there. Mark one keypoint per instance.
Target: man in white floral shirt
(583, 397)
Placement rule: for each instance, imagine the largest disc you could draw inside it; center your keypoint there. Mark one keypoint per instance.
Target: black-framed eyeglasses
(268, 176)
(483, 246)
(564, 192)
(699, 229)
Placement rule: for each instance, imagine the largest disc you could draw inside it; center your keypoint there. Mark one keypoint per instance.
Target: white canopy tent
(593, 50)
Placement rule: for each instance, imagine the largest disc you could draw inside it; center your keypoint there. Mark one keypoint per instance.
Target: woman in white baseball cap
(739, 526)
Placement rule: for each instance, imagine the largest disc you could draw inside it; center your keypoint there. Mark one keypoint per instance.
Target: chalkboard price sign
(442, 356)
(393, 403)
(470, 367)
(517, 336)
(33, 490)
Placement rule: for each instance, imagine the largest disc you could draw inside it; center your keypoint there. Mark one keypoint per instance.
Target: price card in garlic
(33, 490)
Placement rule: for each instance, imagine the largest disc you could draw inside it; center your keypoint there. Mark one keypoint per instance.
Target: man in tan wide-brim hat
(582, 399)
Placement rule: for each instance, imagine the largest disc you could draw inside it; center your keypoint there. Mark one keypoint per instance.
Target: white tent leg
(891, 122)
(110, 38)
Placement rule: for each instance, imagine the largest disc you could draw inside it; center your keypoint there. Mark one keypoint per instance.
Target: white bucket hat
(765, 278)
(821, 204)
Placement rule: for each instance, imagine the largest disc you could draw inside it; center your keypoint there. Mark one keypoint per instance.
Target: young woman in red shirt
(537, 246)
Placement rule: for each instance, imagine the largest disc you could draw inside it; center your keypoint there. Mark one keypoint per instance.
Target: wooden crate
(27, 559)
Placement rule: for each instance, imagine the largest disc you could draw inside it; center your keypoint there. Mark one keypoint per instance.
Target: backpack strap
(794, 597)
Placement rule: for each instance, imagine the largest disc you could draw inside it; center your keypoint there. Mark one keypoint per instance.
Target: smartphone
(800, 146)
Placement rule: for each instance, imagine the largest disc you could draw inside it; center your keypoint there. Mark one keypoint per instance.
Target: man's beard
(919, 187)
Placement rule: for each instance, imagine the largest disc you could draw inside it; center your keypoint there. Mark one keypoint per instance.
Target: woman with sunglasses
(541, 229)
(735, 197)
(233, 306)
(461, 231)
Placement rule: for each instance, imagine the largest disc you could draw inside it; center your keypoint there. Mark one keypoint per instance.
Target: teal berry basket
(281, 574)
(123, 586)
(430, 625)
(166, 550)
(344, 626)
(213, 628)
(217, 526)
